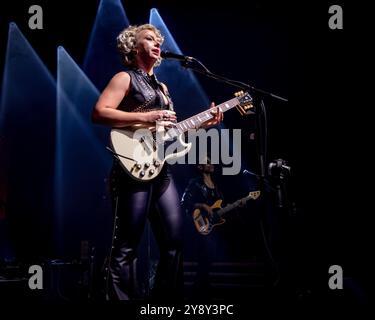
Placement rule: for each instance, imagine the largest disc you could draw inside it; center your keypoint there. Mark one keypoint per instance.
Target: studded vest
(145, 93)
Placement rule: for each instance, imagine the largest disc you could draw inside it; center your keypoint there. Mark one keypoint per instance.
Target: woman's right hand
(165, 115)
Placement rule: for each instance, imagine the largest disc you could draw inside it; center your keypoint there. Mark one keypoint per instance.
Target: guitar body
(204, 222)
(141, 153)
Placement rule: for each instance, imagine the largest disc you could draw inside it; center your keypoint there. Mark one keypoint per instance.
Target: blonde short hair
(126, 42)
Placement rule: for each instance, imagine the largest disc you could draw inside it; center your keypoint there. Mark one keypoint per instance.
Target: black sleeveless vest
(145, 93)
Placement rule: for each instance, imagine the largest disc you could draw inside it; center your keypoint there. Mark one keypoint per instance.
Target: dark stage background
(321, 132)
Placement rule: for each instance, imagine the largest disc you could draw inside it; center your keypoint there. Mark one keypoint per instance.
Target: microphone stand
(261, 135)
(260, 110)
(244, 86)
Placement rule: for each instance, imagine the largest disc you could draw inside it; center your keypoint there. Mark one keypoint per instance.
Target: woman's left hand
(218, 117)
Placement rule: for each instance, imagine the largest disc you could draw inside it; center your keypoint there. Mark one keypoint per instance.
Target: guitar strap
(166, 93)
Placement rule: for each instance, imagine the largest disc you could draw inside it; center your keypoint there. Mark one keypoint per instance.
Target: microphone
(278, 166)
(283, 166)
(247, 172)
(175, 56)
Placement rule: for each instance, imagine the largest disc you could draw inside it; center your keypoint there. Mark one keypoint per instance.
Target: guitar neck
(252, 195)
(195, 121)
(231, 206)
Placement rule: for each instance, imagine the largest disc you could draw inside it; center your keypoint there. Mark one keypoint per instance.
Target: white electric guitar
(142, 150)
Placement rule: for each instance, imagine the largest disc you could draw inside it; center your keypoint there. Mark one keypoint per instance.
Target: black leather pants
(133, 203)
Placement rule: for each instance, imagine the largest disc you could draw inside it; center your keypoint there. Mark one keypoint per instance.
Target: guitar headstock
(254, 194)
(245, 102)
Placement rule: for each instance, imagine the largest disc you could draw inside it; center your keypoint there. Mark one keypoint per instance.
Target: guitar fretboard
(195, 121)
(230, 207)
(253, 195)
